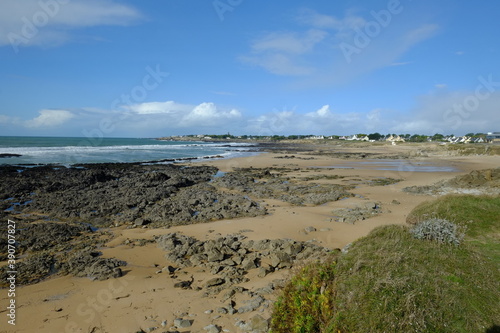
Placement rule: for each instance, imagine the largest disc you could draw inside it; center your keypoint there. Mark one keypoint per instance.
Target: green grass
(306, 302)
(480, 215)
(391, 282)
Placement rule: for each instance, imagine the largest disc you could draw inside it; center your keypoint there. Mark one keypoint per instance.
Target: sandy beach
(144, 299)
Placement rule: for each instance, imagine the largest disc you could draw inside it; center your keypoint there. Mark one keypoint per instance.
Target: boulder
(214, 282)
(182, 323)
(281, 259)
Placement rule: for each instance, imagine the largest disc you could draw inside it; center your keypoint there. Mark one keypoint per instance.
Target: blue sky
(156, 68)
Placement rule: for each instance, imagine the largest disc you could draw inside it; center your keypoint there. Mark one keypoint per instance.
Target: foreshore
(286, 200)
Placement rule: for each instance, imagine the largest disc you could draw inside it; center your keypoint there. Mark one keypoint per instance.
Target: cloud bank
(49, 23)
(440, 111)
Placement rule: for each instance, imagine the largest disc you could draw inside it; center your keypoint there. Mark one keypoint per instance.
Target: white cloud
(457, 112)
(330, 50)
(323, 112)
(207, 114)
(169, 107)
(175, 115)
(5, 119)
(280, 64)
(48, 23)
(289, 42)
(433, 113)
(441, 111)
(322, 121)
(311, 17)
(282, 53)
(272, 123)
(49, 118)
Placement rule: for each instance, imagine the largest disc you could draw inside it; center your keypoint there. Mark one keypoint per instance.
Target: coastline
(145, 295)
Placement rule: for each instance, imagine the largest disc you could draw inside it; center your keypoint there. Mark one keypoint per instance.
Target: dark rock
(184, 284)
(44, 236)
(161, 195)
(86, 264)
(34, 268)
(214, 282)
(245, 181)
(7, 155)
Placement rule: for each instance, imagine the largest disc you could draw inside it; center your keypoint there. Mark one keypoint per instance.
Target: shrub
(439, 230)
(306, 301)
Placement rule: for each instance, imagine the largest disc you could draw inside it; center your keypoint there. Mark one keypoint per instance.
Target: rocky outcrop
(104, 194)
(231, 257)
(49, 248)
(201, 203)
(88, 263)
(44, 236)
(31, 270)
(261, 183)
(229, 260)
(476, 182)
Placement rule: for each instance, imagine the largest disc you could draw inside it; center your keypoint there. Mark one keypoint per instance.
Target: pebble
(182, 323)
(212, 329)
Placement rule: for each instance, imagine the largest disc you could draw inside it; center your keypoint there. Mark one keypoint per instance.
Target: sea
(76, 150)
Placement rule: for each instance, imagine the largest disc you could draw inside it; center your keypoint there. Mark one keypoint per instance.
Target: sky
(150, 68)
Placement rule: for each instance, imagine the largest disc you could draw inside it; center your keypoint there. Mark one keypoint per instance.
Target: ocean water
(68, 151)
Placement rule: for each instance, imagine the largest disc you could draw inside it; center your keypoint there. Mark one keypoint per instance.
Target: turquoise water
(67, 151)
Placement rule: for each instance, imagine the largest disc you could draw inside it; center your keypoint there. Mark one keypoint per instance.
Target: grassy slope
(391, 282)
(479, 214)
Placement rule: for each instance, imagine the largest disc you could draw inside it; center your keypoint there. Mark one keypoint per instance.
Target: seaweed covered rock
(88, 263)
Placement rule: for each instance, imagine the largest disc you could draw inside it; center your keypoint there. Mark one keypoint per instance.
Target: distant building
(393, 138)
(493, 137)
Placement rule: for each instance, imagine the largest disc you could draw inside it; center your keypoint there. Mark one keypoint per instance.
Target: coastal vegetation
(393, 280)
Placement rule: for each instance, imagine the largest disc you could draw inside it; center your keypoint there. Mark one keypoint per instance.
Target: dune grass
(390, 281)
(479, 215)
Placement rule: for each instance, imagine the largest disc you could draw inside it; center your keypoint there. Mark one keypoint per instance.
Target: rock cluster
(43, 236)
(60, 248)
(261, 183)
(358, 213)
(31, 270)
(230, 258)
(88, 263)
(104, 194)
